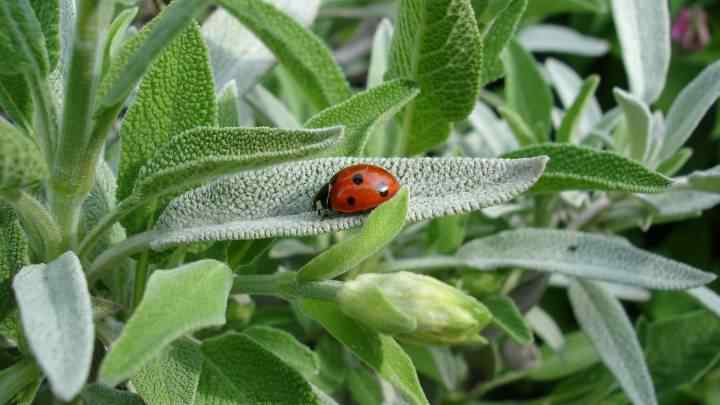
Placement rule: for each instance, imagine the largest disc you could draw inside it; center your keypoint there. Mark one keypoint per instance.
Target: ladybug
(356, 189)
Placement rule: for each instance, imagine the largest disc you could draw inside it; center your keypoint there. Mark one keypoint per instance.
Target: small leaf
(497, 37)
(709, 298)
(639, 124)
(48, 15)
(230, 112)
(545, 328)
(568, 85)
(438, 363)
(381, 227)
(644, 33)
(21, 162)
(302, 53)
(161, 317)
(380, 352)
(171, 377)
(581, 255)
(235, 208)
(438, 45)
(706, 180)
(287, 348)
(526, 90)
(16, 100)
(679, 204)
(571, 123)
(688, 109)
(363, 113)
(604, 320)
(522, 131)
(57, 320)
(98, 394)
(508, 317)
(580, 168)
(22, 43)
(16, 378)
(575, 355)
(271, 108)
(117, 35)
(13, 256)
(559, 39)
(674, 163)
(236, 366)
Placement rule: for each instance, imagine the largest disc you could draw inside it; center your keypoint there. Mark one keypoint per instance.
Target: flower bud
(414, 307)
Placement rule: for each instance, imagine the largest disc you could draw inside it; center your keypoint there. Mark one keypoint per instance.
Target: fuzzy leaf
(382, 226)
(99, 203)
(21, 163)
(271, 108)
(706, 180)
(526, 90)
(98, 394)
(508, 317)
(172, 377)
(238, 208)
(520, 129)
(17, 378)
(559, 39)
(235, 52)
(438, 45)
(233, 111)
(580, 168)
(571, 123)
(709, 298)
(236, 366)
(496, 38)
(674, 163)
(161, 317)
(604, 320)
(639, 124)
(581, 255)
(48, 15)
(568, 85)
(363, 113)
(57, 320)
(382, 353)
(644, 32)
(287, 348)
(22, 43)
(438, 363)
(302, 53)
(169, 102)
(13, 256)
(575, 355)
(16, 99)
(679, 204)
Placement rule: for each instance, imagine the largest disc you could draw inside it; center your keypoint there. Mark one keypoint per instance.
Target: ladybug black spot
(351, 201)
(357, 179)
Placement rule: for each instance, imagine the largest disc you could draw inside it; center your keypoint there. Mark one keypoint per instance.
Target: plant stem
(42, 231)
(117, 252)
(543, 211)
(285, 285)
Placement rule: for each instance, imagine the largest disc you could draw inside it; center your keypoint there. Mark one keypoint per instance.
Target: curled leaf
(277, 201)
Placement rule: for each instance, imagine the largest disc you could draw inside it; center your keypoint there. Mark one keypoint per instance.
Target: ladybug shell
(360, 188)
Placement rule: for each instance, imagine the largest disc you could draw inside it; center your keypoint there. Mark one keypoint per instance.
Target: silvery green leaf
(674, 163)
(570, 127)
(705, 180)
(619, 291)
(643, 29)
(576, 354)
(57, 77)
(604, 320)
(675, 205)
(16, 379)
(688, 109)
(505, 17)
(117, 34)
(99, 202)
(559, 39)
(639, 125)
(22, 42)
(100, 394)
(21, 162)
(567, 85)
(378, 142)
(235, 52)
(271, 108)
(172, 376)
(233, 110)
(545, 327)
(709, 298)
(492, 137)
(56, 315)
(362, 113)
(438, 363)
(278, 201)
(521, 130)
(583, 255)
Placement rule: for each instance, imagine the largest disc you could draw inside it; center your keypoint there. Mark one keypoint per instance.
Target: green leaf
(583, 255)
(98, 394)
(508, 317)
(57, 320)
(607, 325)
(229, 108)
(16, 378)
(522, 131)
(99, 203)
(639, 124)
(48, 15)
(117, 35)
(497, 37)
(526, 90)
(302, 53)
(169, 102)
(682, 349)
(161, 317)
(236, 366)
(707, 297)
(447, 234)
(379, 352)
(13, 256)
(287, 348)
(172, 377)
(673, 164)
(541, 8)
(234, 208)
(365, 387)
(16, 100)
(706, 180)
(679, 204)
(550, 38)
(568, 84)
(569, 128)
(22, 43)
(438, 363)
(644, 33)
(688, 109)
(381, 227)
(579, 168)
(271, 108)
(365, 112)
(575, 355)
(21, 162)
(438, 45)
(379, 142)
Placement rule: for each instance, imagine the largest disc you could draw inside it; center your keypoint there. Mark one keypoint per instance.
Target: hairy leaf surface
(497, 36)
(22, 43)
(171, 377)
(21, 162)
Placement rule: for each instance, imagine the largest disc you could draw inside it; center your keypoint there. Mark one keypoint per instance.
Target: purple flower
(690, 29)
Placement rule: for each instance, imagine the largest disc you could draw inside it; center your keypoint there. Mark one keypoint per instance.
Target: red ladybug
(355, 189)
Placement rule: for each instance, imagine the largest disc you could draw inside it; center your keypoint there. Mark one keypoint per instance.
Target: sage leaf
(581, 255)
(56, 315)
(16, 378)
(98, 394)
(169, 102)
(236, 207)
(171, 377)
(161, 317)
(271, 108)
(559, 39)
(545, 328)
(674, 163)
(22, 42)
(509, 318)
(579, 168)
(569, 130)
(706, 180)
(380, 352)
(21, 162)
(230, 108)
(709, 298)
(496, 38)
(575, 355)
(48, 14)
(287, 348)
(16, 100)
(604, 320)
(444, 59)
(644, 33)
(236, 366)
(302, 53)
(688, 109)
(523, 133)
(363, 113)
(568, 86)
(495, 138)
(117, 35)
(676, 205)
(236, 54)
(638, 123)
(381, 227)
(14, 252)
(439, 363)
(537, 9)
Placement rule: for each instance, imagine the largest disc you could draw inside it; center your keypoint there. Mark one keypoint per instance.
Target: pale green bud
(414, 307)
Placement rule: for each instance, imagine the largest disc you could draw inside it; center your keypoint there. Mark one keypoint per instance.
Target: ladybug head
(321, 202)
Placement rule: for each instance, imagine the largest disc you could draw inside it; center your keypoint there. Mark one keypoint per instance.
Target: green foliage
(172, 376)
(508, 317)
(497, 36)
(22, 43)
(21, 162)
(573, 116)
